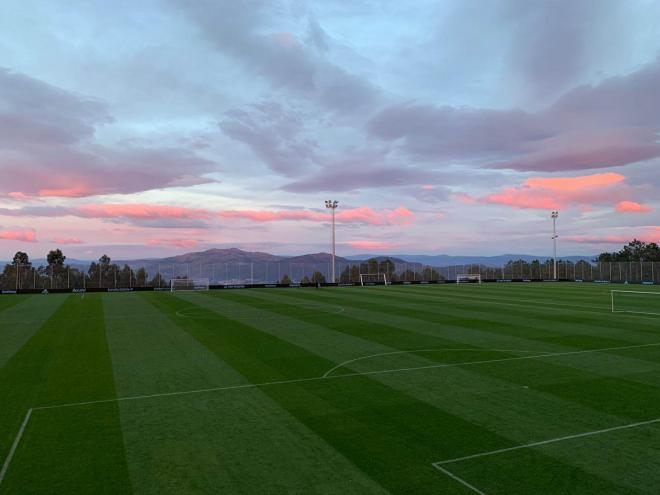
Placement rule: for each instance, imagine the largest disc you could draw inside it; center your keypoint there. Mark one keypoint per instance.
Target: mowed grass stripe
(21, 318)
(441, 402)
(302, 333)
(447, 304)
(630, 361)
(62, 452)
(256, 356)
(363, 430)
(529, 373)
(596, 305)
(394, 338)
(152, 354)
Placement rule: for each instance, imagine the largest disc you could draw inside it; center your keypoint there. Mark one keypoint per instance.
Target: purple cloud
(48, 148)
(611, 124)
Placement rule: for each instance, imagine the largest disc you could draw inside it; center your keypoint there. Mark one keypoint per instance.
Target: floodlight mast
(554, 216)
(333, 206)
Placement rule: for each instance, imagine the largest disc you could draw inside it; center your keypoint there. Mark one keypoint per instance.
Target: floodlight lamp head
(331, 204)
(555, 214)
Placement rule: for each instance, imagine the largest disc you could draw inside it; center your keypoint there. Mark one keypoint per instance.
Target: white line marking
(546, 442)
(345, 375)
(340, 365)
(460, 480)
(439, 465)
(14, 446)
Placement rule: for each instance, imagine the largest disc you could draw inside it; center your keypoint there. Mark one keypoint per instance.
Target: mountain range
(237, 256)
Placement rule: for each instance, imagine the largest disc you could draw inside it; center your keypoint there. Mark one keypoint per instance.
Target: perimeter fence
(159, 275)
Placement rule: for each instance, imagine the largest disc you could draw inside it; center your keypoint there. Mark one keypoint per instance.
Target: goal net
(633, 301)
(468, 278)
(189, 284)
(373, 279)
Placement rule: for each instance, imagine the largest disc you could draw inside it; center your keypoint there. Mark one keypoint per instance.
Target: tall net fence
(112, 276)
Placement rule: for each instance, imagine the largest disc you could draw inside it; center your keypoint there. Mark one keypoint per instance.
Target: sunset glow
(229, 124)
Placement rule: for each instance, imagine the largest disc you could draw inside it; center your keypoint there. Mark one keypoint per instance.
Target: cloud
(148, 214)
(370, 245)
(631, 207)
(552, 193)
(613, 123)
(274, 134)
(363, 215)
(140, 211)
(177, 243)
(48, 148)
(241, 30)
(18, 235)
(365, 169)
(67, 240)
(586, 239)
(649, 234)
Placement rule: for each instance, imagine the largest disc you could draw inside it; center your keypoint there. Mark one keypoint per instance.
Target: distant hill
(449, 260)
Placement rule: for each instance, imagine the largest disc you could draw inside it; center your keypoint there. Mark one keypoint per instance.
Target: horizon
(157, 129)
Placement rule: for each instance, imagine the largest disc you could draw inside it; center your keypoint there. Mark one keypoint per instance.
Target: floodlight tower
(554, 216)
(333, 206)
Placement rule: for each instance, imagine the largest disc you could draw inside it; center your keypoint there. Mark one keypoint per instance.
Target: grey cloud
(242, 31)
(610, 124)
(274, 134)
(48, 147)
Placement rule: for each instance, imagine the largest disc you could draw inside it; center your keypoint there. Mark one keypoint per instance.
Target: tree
(305, 280)
(318, 278)
(285, 279)
(55, 257)
(56, 269)
(141, 277)
(635, 250)
(21, 258)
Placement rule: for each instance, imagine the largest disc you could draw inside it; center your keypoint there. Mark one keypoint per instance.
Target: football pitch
(440, 389)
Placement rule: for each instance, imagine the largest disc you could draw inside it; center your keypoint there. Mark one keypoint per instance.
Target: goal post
(373, 279)
(635, 301)
(468, 278)
(189, 284)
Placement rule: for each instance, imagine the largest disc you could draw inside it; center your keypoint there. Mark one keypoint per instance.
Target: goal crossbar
(464, 278)
(373, 279)
(189, 284)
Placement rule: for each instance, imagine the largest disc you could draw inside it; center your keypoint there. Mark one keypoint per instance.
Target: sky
(161, 127)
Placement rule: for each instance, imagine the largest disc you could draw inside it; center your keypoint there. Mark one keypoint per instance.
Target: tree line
(20, 273)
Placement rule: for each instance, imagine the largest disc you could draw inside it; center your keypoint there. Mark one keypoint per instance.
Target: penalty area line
(439, 464)
(14, 446)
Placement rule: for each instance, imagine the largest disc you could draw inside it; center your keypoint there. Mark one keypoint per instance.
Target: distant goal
(189, 284)
(468, 278)
(635, 301)
(373, 279)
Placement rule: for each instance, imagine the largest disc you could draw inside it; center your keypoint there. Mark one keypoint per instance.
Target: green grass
(224, 391)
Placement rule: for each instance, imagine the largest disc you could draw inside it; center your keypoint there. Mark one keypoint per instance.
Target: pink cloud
(549, 193)
(273, 216)
(18, 196)
(67, 240)
(608, 239)
(178, 243)
(631, 207)
(369, 245)
(18, 235)
(364, 215)
(649, 234)
(140, 211)
(464, 198)
(67, 192)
